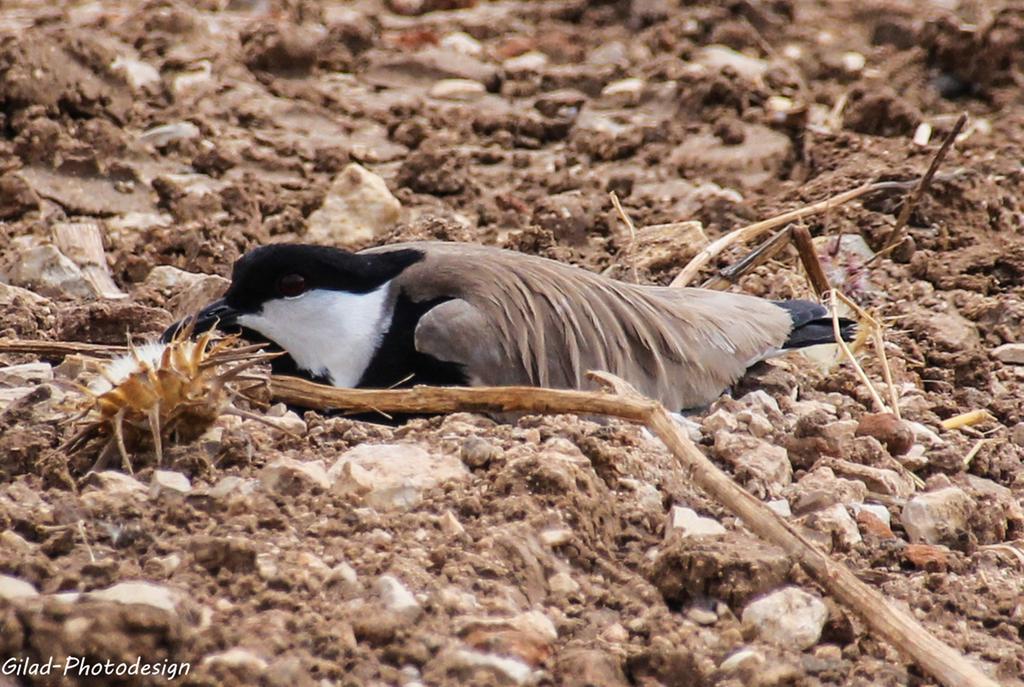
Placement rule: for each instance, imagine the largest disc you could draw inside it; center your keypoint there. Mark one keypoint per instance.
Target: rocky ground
(456, 550)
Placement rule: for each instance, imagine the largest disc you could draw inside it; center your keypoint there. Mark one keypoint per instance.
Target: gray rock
(938, 517)
(28, 374)
(397, 598)
(290, 476)
(47, 271)
(386, 476)
(836, 522)
(789, 617)
(1011, 353)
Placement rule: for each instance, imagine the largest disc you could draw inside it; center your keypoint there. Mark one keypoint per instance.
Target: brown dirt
(284, 94)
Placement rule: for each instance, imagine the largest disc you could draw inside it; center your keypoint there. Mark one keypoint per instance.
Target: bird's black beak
(218, 315)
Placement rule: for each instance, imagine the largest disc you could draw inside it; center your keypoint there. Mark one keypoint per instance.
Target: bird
(463, 314)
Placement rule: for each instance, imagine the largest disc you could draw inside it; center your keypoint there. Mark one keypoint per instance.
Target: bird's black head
(282, 273)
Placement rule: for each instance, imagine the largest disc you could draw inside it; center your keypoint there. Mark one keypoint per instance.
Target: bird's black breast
(398, 364)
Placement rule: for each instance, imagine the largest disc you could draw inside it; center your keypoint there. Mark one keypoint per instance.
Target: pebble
(186, 292)
(780, 507)
(836, 522)
(879, 480)
(717, 57)
(462, 43)
(895, 434)
(117, 483)
(1011, 353)
(615, 633)
(477, 452)
(159, 136)
(236, 658)
(397, 598)
(876, 509)
(757, 462)
(512, 670)
(744, 659)
(625, 92)
(47, 271)
(820, 488)
(232, 485)
(938, 517)
(387, 476)
(168, 481)
(556, 536)
(457, 89)
(12, 588)
(139, 75)
(28, 374)
(192, 81)
(688, 523)
(450, 525)
(719, 420)
(358, 207)
(290, 477)
(138, 592)
(527, 62)
(853, 62)
(562, 584)
(923, 134)
(789, 617)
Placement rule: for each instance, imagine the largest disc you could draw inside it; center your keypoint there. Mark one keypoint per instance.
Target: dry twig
(886, 620)
(894, 238)
(60, 349)
(809, 257)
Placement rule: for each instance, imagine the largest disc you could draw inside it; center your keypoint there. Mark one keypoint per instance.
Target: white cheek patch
(327, 333)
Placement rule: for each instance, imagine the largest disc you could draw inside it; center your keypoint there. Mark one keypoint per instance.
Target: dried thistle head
(161, 392)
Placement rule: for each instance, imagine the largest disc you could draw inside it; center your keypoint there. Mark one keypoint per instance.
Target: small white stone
(232, 485)
(117, 483)
(922, 134)
(396, 597)
(556, 536)
(168, 481)
(625, 92)
(527, 62)
(358, 206)
(139, 75)
(853, 62)
(789, 617)
(12, 588)
(462, 43)
(717, 57)
(744, 658)
(236, 658)
(562, 583)
(344, 572)
(450, 525)
(686, 522)
(615, 633)
(836, 522)
(720, 419)
(780, 507)
(457, 89)
(160, 136)
(938, 517)
(512, 669)
(876, 509)
(192, 81)
(138, 592)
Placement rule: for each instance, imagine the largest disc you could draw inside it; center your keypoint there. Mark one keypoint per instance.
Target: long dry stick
(59, 349)
(890, 623)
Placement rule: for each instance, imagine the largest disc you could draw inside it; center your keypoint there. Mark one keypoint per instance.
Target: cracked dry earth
(553, 550)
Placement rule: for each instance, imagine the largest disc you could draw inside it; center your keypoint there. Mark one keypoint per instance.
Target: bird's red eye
(291, 285)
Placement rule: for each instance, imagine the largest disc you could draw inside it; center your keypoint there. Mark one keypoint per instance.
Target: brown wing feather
(540, 322)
